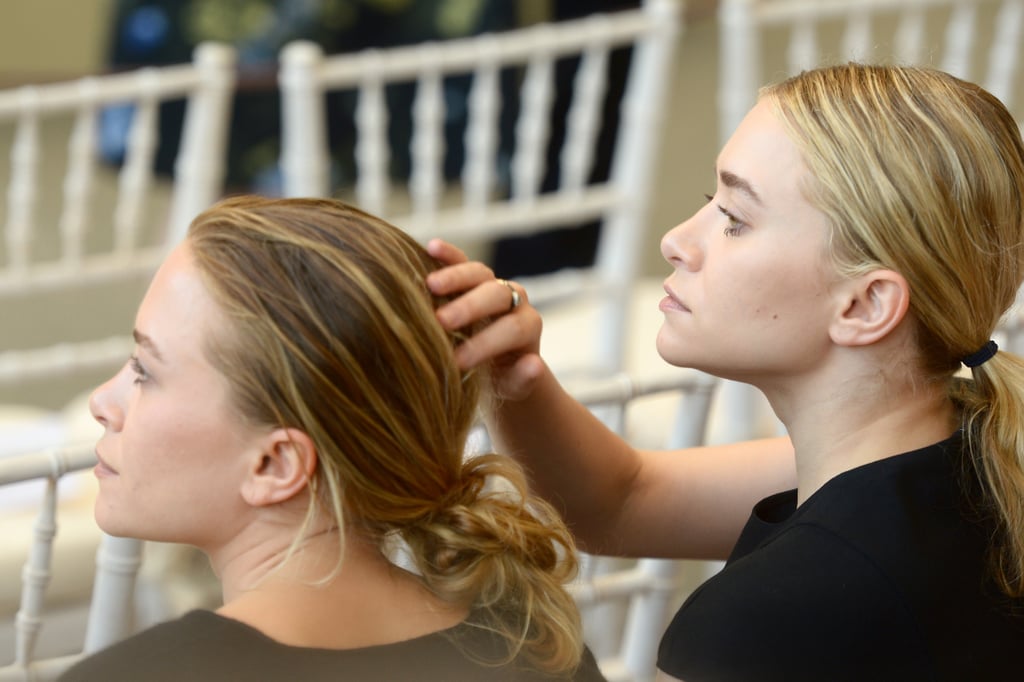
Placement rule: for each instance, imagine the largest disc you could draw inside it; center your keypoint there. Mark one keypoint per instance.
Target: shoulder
(175, 648)
(204, 646)
(465, 653)
(791, 609)
(804, 570)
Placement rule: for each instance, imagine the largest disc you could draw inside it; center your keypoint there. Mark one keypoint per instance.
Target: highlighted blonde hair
(331, 330)
(923, 173)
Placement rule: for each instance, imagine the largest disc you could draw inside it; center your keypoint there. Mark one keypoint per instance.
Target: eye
(140, 372)
(709, 198)
(735, 225)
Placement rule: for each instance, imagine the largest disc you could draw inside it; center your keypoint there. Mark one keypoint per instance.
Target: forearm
(576, 463)
(689, 503)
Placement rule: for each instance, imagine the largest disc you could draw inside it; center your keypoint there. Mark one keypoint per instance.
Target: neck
(255, 559)
(311, 601)
(836, 426)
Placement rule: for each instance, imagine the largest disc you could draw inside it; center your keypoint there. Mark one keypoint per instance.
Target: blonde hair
(923, 173)
(331, 330)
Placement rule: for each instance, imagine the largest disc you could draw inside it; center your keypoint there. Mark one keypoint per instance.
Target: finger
(509, 336)
(490, 299)
(458, 278)
(445, 252)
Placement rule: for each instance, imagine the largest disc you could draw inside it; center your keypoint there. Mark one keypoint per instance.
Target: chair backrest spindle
(427, 143)
(583, 122)
(481, 137)
(534, 124)
(22, 193)
(371, 149)
(136, 174)
(79, 181)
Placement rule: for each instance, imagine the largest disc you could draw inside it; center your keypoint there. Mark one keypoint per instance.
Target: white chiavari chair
(766, 40)
(485, 205)
(626, 604)
(79, 239)
(111, 611)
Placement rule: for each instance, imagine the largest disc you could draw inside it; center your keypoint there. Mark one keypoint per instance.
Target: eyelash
(140, 372)
(735, 224)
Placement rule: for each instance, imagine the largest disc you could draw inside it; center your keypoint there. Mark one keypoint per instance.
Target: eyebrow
(147, 343)
(734, 181)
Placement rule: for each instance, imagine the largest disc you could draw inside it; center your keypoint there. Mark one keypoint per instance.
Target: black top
(202, 646)
(882, 574)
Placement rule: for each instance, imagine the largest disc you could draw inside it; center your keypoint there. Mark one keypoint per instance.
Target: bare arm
(689, 503)
(685, 503)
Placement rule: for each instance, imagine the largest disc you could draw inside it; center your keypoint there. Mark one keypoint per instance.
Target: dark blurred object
(149, 32)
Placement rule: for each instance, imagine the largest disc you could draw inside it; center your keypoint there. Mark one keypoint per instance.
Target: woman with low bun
(294, 410)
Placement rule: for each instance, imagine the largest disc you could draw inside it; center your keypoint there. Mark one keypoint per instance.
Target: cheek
(776, 286)
(795, 303)
(163, 438)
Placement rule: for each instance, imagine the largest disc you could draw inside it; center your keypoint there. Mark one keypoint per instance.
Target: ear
(871, 306)
(281, 469)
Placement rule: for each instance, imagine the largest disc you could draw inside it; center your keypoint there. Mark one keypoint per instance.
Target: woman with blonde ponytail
(294, 410)
(863, 241)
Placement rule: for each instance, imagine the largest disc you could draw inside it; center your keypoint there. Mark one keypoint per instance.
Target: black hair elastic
(982, 356)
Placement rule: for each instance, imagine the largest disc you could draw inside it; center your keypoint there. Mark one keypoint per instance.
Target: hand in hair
(510, 343)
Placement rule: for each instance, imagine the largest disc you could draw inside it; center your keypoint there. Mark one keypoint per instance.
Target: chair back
(768, 40)
(626, 604)
(499, 188)
(79, 239)
(111, 612)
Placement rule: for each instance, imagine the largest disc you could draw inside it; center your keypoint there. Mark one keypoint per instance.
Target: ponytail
(993, 415)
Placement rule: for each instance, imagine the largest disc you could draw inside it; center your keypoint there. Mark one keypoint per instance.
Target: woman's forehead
(761, 159)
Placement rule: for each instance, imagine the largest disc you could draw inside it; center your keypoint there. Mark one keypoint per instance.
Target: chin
(110, 522)
(676, 357)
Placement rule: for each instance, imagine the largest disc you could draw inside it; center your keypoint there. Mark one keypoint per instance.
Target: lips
(103, 469)
(672, 302)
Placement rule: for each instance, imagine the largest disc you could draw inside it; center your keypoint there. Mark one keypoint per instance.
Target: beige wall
(51, 39)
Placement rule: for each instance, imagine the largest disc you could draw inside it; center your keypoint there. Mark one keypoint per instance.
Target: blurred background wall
(52, 39)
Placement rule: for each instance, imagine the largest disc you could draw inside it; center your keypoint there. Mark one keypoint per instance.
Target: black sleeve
(808, 606)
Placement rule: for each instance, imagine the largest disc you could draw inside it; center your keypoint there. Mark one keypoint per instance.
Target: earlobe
(283, 468)
(874, 304)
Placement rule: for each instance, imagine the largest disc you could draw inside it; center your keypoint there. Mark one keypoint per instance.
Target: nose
(104, 403)
(681, 245)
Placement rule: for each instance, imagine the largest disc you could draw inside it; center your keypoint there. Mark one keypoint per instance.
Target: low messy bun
(508, 556)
